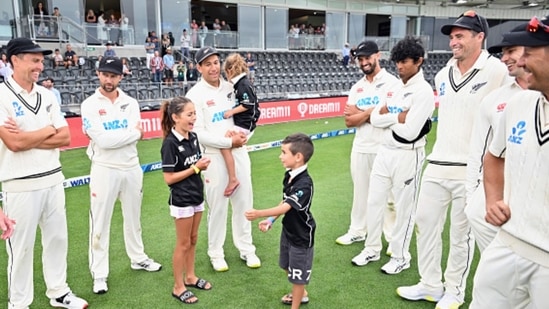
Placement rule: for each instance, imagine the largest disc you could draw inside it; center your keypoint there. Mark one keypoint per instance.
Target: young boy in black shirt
(298, 224)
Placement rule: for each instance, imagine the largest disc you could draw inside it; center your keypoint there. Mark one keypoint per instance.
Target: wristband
(195, 168)
(271, 219)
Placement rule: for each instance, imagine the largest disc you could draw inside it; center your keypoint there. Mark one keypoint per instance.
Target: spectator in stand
(157, 66)
(165, 44)
(90, 17)
(194, 32)
(192, 73)
(40, 18)
(101, 30)
(126, 67)
(57, 59)
(185, 45)
(346, 54)
(124, 24)
(155, 40)
(217, 31)
(169, 65)
(172, 39)
(202, 33)
(250, 63)
(48, 83)
(54, 22)
(114, 29)
(5, 67)
(149, 49)
(98, 61)
(180, 69)
(109, 52)
(70, 56)
(226, 35)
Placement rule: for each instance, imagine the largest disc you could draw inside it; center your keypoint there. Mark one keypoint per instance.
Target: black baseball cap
(509, 39)
(204, 53)
(111, 65)
(24, 46)
(468, 20)
(535, 34)
(366, 48)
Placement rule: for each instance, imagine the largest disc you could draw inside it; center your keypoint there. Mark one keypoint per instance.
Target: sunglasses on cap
(535, 24)
(473, 14)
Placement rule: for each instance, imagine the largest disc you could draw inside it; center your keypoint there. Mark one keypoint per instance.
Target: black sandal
(185, 296)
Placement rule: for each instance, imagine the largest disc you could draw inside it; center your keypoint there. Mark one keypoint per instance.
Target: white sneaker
(395, 266)
(219, 264)
(148, 265)
(364, 258)
(449, 301)
(100, 286)
(420, 292)
(252, 261)
(70, 301)
(348, 239)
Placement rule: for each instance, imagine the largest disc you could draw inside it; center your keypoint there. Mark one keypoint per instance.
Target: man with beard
(513, 271)
(365, 94)
(397, 167)
(111, 120)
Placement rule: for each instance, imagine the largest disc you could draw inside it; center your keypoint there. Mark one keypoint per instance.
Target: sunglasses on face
(535, 24)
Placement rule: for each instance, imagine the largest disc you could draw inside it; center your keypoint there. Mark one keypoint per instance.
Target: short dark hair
(300, 143)
(409, 47)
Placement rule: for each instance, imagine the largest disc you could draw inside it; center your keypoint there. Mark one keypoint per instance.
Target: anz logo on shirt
(442, 89)
(517, 133)
(17, 109)
(394, 109)
(191, 159)
(218, 116)
(115, 124)
(367, 101)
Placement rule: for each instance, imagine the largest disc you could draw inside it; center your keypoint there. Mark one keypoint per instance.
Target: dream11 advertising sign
(271, 112)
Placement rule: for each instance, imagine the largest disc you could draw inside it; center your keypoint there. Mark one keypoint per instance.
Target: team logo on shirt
(210, 103)
(102, 112)
(367, 101)
(394, 109)
(406, 94)
(115, 124)
(517, 133)
(17, 109)
(360, 90)
(48, 108)
(191, 160)
(229, 95)
(476, 87)
(501, 107)
(180, 148)
(442, 89)
(123, 107)
(378, 86)
(245, 97)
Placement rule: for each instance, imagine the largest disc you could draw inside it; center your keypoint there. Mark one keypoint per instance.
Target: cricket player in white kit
(112, 121)
(32, 128)
(462, 84)
(213, 96)
(513, 271)
(491, 109)
(364, 95)
(397, 167)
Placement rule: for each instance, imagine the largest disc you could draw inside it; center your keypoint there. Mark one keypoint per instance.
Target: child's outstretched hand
(265, 225)
(228, 114)
(251, 214)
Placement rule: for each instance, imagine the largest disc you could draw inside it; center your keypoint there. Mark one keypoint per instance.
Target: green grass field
(335, 282)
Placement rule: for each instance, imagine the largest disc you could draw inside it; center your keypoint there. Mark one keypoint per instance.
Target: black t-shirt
(192, 75)
(245, 96)
(178, 155)
(298, 223)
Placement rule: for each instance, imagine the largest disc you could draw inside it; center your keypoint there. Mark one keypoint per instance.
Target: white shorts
(185, 212)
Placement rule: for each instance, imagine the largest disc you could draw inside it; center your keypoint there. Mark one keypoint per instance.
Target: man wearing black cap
(491, 109)
(364, 95)
(461, 85)
(213, 96)
(32, 131)
(111, 119)
(513, 271)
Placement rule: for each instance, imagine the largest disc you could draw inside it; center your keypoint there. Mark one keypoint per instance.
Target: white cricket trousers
(44, 208)
(435, 195)
(505, 280)
(216, 178)
(361, 168)
(396, 170)
(475, 211)
(106, 186)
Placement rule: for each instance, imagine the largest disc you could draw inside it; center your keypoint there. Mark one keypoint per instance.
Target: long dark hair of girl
(169, 108)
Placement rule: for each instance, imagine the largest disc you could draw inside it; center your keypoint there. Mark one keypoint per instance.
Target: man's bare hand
(497, 213)
(11, 126)
(383, 110)
(239, 140)
(402, 116)
(351, 109)
(139, 127)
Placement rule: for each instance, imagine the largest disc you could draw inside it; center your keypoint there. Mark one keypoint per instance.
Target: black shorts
(168, 74)
(296, 261)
